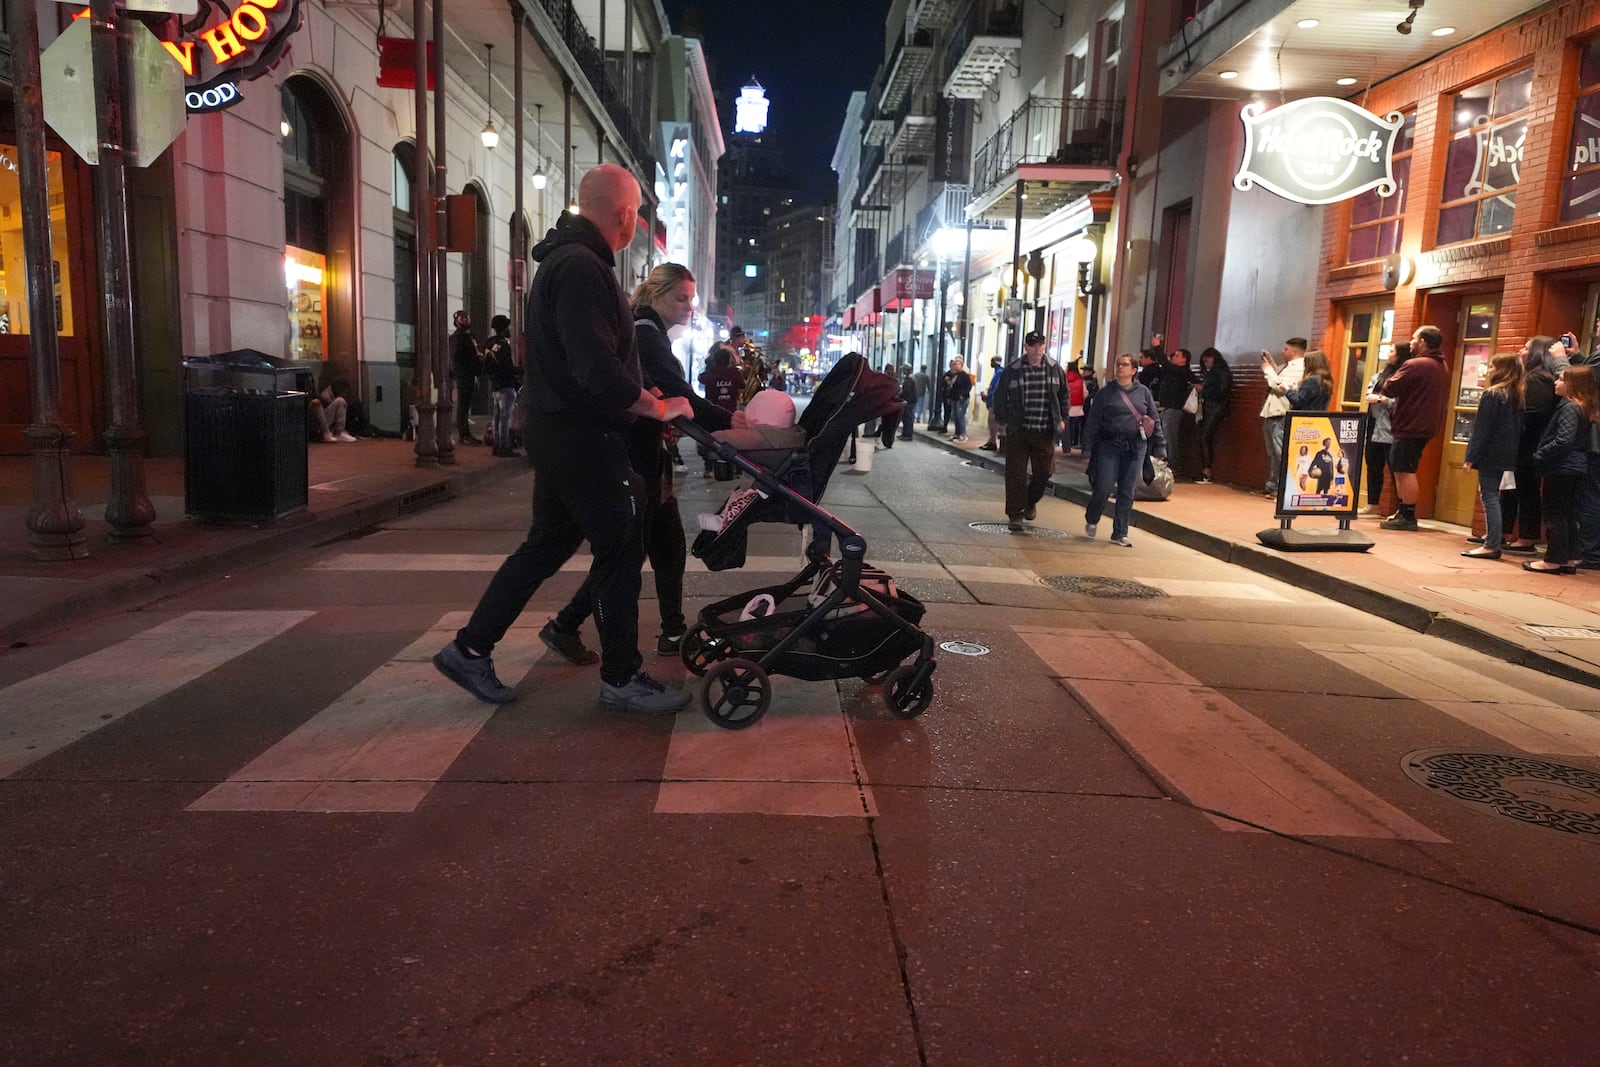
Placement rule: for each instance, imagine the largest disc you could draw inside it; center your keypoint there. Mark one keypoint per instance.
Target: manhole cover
(1026, 531)
(1105, 588)
(964, 648)
(1581, 632)
(1530, 790)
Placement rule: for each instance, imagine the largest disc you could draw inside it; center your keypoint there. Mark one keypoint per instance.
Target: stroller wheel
(735, 693)
(904, 700)
(697, 651)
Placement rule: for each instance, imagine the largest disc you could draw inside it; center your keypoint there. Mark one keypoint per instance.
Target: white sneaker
(1122, 541)
(1091, 530)
(342, 436)
(328, 438)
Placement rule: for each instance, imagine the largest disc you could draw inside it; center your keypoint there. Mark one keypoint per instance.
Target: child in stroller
(832, 620)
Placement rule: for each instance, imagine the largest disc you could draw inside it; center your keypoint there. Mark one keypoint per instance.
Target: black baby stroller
(832, 620)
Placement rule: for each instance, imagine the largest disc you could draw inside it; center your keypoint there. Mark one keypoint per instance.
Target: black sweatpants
(466, 393)
(665, 547)
(584, 489)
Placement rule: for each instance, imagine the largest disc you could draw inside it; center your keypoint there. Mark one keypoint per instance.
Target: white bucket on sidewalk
(864, 450)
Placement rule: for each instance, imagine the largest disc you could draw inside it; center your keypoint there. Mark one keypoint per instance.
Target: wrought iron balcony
(593, 67)
(932, 15)
(906, 67)
(913, 128)
(1063, 148)
(984, 42)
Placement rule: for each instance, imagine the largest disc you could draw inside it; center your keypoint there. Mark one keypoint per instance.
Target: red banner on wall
(397, 63)
(904, 285)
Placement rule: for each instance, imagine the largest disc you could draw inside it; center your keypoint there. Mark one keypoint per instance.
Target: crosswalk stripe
(42, 714)
(382, 745)
(466, 562)
(1518, 718)
(797, 760)
(1210, 750)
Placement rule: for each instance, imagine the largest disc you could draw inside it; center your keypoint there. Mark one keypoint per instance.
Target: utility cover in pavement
(1026, 531)
(1105, 588)
(964, 648)
(1556, 796)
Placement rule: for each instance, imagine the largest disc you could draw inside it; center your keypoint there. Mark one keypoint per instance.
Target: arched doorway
(392, 413)
(319, 233)
(477, 284)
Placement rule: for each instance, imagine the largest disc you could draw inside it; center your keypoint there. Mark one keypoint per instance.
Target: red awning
(867, 308)
(850, 317)
(903, 285)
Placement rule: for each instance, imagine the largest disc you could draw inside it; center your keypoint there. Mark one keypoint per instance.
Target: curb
(1398, 608)
(291, 534)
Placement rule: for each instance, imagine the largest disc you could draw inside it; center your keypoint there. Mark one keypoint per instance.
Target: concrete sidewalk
(354, 486)
(1550, 623)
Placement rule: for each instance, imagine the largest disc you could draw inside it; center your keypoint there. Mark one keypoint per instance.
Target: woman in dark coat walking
(1492, 449)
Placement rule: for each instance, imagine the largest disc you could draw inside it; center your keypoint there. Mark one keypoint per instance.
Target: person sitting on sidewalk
(330, 413)
(1420, 389)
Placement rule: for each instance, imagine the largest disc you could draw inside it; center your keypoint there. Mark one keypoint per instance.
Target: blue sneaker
(474, 674)
(643, 695)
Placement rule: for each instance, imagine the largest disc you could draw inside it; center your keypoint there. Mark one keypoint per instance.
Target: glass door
(1369, 341)
(1457, 494)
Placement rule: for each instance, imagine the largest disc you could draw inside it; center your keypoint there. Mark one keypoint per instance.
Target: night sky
(810, 55)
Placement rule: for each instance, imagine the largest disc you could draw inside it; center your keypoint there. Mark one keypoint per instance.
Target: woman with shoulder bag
(1122, 426)
(1562, 460)
(1492, 449)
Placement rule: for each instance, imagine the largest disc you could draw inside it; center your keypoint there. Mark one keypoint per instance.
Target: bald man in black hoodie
(582, 394)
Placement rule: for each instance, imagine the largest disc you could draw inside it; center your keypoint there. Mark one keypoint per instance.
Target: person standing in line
(1280, 377)
(584, 391)
(1216, 393)
(1492, 448)
(996, 440)
(665, 299)
(921, 378)
(1316, 384)
(1588, 504)
(1420, 389)
(1178, 384)
(958, 394)
(1523, 506)
(909, 395)
(466, 364)
(504, 377)
(1562, 460)
(1076, 395)
(1121, 430)
(1380, 438)
(1031, 403)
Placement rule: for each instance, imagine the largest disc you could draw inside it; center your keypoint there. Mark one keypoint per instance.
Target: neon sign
(1318, 150)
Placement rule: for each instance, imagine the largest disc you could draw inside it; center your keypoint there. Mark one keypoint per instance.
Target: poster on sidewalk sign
(1320, 473)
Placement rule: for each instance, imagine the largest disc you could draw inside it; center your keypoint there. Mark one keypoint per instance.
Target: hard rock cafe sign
(1317, 151)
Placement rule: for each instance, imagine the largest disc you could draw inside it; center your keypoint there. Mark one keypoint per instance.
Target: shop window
(1477, 348)
(1377, 223)
(1580, 193)
(14, 313)
(1483, 166)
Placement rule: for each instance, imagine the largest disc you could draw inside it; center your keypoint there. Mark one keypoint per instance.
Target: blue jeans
(1589, 513)
(1118, 464)
(1494, 534)
(504, 401)
(958, 412)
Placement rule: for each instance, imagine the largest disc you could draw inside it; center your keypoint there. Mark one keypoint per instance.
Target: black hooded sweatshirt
(582, 361)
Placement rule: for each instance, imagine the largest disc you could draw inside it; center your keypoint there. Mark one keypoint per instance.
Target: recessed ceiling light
(1444, 31)
(1308, 24)
(1228, 75)
(1345, 81)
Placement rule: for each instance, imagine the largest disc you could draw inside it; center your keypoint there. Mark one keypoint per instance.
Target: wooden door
(1476, 332)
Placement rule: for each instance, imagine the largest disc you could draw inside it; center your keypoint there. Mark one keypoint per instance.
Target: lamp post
(427, 448)
(1086, 250)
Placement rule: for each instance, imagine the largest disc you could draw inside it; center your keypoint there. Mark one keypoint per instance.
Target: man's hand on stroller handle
(675, 407)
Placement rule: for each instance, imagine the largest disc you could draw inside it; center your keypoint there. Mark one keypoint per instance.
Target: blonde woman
(1492, 449)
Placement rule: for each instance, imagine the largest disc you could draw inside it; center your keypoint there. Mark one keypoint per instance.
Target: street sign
(153, 107)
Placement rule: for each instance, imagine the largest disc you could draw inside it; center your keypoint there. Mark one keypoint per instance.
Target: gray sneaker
(643, 695)
(475, 675)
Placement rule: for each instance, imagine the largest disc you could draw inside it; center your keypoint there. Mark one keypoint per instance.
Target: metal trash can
(245, 431)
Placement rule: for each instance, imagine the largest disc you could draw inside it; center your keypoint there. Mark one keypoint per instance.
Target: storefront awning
(867, 307)
(850, 318)
(903, 285)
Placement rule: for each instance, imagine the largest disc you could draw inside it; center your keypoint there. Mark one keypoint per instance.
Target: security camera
(1404, 27)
